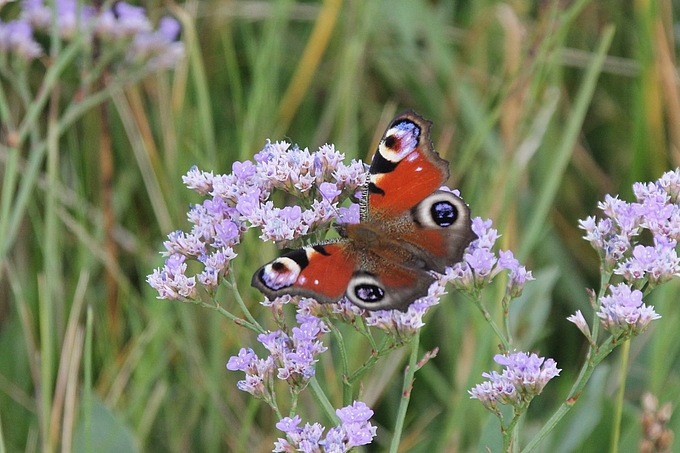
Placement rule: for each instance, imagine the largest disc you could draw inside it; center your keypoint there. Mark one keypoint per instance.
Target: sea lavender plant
(320, 181)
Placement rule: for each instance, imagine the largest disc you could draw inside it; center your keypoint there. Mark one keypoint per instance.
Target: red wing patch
(327, 274)
(413, 179)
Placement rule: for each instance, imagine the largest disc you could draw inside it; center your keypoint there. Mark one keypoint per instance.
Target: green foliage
(541, 108)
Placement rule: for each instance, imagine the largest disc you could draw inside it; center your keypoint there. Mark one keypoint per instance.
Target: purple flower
(288, 425)
(481, 261)
(578, 319)
(354, 430)
(17, 37)
(171, 282)
(200, 181)
(523, 377)
(259, 372)
(481, 265)
(350, 177)
(329, 191)
(614, 236)
(155, 49)
(243, 361)
(670, 183)
(350, 215)
(401, 325)
(658, 264)
(623, 312)
(295, 355)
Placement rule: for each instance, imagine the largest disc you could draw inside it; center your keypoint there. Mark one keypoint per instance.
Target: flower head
(123, 27)
(614, 237)
(481, 264)
(524, 376)
(354, 430)
(622, 312)
(17, 37)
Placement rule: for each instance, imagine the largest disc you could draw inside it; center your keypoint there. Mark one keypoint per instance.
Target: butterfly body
(408, 228)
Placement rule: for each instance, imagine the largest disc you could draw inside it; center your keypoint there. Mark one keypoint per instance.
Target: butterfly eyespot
(390, 141)
(443, 213)
(281, 273)
(366, 291)
(442, 209)
(369, 293)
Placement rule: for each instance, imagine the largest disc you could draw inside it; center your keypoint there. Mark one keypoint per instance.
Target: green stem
(322, 399)
(618, 408)
(511, 434)
(487, 316)
(227, 314)
(240, 301)
(346, 385)
(371, 361)
(584, 375)
(405, 393)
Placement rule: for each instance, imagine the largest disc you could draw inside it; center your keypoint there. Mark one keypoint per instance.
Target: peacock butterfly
(409, 228)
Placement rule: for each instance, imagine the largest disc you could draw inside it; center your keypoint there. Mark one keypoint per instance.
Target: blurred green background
(541, 107)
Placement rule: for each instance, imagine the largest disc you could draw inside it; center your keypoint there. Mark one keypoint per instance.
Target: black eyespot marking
(321, 249)
(443, 213)
(369, 293)
(278, 266)
(390, 141)
(382, 165)
(299, 256)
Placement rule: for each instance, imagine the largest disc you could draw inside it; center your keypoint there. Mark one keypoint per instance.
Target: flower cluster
(523, 377)
(616, 239)
(121, 25)
(481, 264)
(293, 355)
(240, 200)
(622, 312)
(656, 210)
(355, 430)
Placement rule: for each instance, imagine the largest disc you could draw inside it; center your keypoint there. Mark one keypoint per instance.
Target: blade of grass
(553, 175)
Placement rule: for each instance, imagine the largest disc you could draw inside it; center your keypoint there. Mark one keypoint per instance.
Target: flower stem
(322, 399)
(592, 361)
(240, 302)
(618, 408)
(406, 393)
(478, 303)
(346, 385)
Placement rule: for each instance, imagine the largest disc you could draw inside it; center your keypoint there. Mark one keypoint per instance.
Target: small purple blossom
(293, 355)
(17, 37)
(578, 319)
(623, 312)
(658, 263)
(614, 236)
(350, 215)
(401, 325)
(122, 27)
(171, 281)
(354, 430)
(481, 265)
(523, 377)
(329, 191)
(259, 372)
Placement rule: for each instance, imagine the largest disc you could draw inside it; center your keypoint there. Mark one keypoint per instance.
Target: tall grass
(541, 108)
